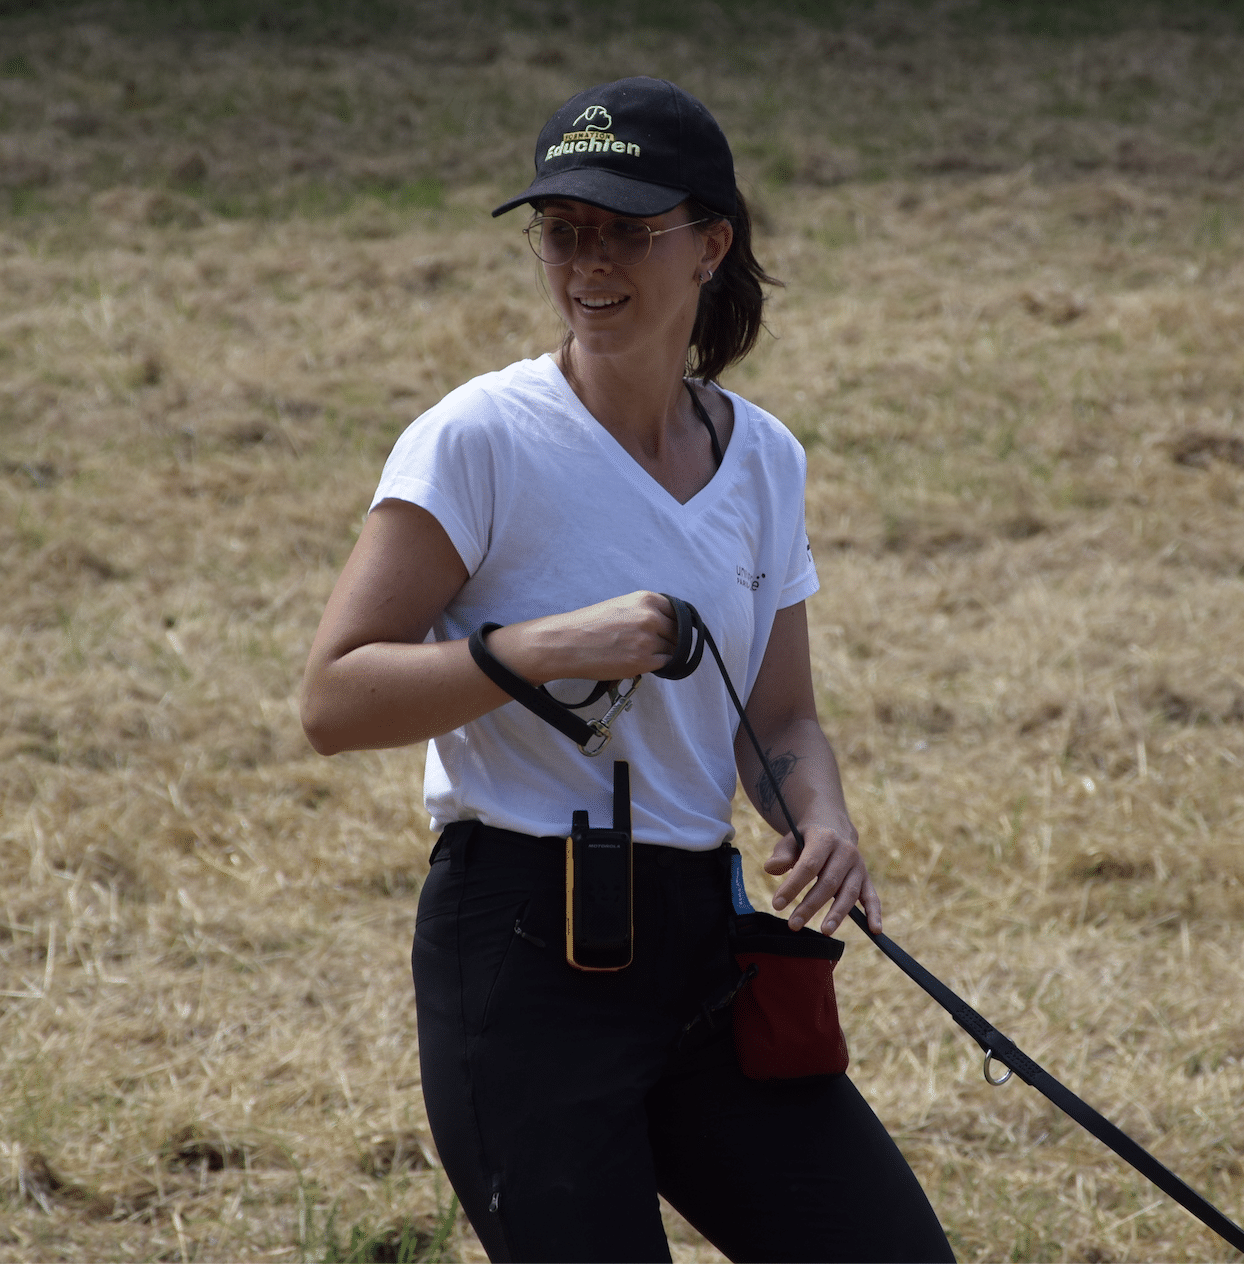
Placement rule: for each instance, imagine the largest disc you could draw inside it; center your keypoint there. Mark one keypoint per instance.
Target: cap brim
(606, 189)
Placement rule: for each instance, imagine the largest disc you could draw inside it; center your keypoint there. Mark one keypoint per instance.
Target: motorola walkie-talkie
(599, 926)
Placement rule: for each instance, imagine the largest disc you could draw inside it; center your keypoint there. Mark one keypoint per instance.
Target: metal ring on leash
(988, 1063)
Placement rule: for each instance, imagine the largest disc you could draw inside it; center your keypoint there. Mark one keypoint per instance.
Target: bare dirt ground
(234, 263)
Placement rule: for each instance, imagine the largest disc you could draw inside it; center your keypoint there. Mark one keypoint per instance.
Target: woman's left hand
(832, 864)
(782, 709)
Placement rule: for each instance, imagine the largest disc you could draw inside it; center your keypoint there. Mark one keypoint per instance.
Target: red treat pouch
(786, 1015)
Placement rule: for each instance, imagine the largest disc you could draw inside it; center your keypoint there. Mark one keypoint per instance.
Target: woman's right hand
(612, 640)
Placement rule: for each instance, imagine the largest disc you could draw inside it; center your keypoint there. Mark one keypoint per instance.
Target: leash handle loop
(590, 736)
(691, 635)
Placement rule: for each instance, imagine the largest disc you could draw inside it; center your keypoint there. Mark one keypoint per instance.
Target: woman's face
(612, 309)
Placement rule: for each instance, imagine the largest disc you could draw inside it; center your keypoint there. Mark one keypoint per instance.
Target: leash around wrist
(590, 736)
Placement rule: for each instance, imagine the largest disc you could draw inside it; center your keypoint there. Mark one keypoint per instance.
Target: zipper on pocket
(522, 934)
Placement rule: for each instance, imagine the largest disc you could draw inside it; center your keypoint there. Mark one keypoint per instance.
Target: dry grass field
(236, 257)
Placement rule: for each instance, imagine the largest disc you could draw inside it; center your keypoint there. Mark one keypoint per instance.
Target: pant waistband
(488, 842)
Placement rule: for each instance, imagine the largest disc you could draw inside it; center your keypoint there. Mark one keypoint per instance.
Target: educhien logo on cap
(593, 137)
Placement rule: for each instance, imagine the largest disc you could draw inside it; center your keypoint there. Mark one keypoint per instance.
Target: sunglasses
(625, 242)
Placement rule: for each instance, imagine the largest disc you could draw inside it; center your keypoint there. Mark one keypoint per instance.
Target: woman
(558, 498)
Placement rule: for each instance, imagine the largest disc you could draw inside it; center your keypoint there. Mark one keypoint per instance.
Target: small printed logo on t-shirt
(747, 578)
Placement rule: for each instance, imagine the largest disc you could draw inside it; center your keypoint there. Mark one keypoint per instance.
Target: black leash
(591, 736)
(1000, 1048)
(693, 636)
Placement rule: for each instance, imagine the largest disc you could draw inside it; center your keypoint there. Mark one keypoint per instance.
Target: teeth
(599, 302)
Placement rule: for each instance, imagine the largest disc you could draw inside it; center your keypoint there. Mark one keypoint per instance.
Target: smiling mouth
(599, 304)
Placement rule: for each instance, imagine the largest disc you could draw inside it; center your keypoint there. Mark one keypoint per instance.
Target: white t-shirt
(549, 513)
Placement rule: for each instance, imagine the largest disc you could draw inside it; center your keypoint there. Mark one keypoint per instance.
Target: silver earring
(706, 276)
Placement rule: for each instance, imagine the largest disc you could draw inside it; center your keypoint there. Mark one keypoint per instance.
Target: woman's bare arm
(782, 711)
(371, 679)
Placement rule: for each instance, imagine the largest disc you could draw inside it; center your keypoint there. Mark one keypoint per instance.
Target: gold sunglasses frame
(538, 220)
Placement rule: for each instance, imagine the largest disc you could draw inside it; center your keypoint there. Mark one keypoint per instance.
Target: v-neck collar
(634, 471)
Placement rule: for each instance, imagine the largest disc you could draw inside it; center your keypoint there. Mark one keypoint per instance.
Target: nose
(591, 247)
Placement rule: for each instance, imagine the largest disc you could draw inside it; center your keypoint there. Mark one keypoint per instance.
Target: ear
(716, 237)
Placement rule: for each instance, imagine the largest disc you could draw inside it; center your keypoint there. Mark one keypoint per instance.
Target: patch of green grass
(721, 23)
(73, 641)
(781, 169)
(834, 232)
(1068, 108)
(426, 194)
(1065, 19)
(407, 1243)
(1081, 495)
(16, 66)
(27, 201)
(310, 18)
(1214, 225)
(316, 199)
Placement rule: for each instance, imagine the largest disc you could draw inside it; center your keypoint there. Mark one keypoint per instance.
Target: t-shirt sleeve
(801, 577)
(444, 463)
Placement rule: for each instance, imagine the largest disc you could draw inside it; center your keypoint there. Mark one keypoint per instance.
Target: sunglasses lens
(626, 241)
(553, 239)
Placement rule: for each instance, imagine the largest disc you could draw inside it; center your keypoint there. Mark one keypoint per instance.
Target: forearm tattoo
(767, 789)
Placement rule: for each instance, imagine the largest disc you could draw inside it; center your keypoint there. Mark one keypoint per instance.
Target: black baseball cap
(637, 146)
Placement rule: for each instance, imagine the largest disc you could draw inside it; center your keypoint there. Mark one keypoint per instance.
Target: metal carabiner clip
(619, 702)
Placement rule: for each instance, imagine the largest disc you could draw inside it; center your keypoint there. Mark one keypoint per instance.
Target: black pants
(562, 1102)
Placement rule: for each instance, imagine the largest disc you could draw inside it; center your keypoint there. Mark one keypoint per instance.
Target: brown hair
(731, 311)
